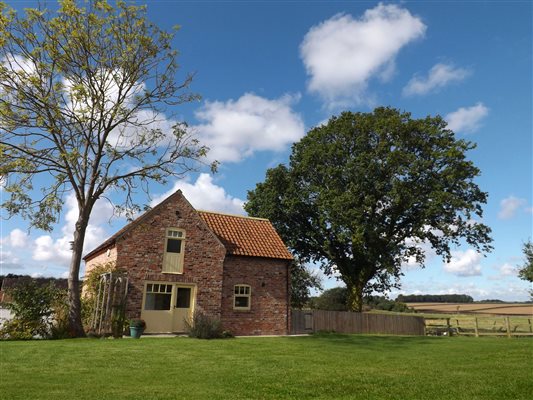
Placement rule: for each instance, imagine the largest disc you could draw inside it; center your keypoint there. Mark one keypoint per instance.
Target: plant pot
(136, 332)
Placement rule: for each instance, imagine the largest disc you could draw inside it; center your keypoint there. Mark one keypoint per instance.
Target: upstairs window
(242, 295)
(174, 249)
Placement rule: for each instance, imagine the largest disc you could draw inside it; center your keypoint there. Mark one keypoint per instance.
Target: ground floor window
(242, 297)
(158, 296)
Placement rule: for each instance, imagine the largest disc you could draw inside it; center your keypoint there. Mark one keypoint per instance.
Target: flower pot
(136, 332)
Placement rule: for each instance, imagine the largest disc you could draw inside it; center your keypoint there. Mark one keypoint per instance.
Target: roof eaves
(233, 215)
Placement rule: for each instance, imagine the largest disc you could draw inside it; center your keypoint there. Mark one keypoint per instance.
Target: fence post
(476, 328)
(448, 327)
(530, 326)
(508, 326)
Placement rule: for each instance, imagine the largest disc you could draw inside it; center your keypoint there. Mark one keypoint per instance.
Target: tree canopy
(302, 281)
(435, 298)
(365, 191)
(84, 111)
(526, 270)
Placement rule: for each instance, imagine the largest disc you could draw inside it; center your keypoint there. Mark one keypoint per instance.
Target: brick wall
(269, 300)
(141, 251)
(105, 256)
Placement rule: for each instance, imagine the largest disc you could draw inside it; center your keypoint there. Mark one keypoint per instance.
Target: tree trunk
(74, 292)
(355, 297)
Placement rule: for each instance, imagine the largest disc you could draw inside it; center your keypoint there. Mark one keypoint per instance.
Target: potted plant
(137, 327)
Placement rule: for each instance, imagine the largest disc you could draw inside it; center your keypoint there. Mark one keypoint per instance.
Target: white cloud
(509, 206)
(58, 250)
(18, 238)
(18, 64)
(467, 119)
(439, 76)
(507, 270)
(205, 195)
(8, 260)
(464, 263)
(342, 53)
(426, 248)
(47, 250)
(237, 128)
(506, 291)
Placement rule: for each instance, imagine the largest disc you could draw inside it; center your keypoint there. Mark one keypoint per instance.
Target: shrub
(38, 311)
(204, 327)
(137, 323)
(91, 282)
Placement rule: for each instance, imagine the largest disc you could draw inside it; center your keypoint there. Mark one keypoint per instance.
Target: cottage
(179, 260)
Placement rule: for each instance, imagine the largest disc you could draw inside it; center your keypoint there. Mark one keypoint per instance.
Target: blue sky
(269, 71)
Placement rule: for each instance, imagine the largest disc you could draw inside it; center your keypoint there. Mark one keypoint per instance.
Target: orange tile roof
(246, 236)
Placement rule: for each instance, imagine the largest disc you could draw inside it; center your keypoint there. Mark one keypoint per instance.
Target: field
(475, 308)
(327, 366)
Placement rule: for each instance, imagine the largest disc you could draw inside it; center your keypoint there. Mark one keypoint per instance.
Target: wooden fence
(480, 326)
(351, 322)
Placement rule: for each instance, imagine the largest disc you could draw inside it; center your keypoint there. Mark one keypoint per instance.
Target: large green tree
(363, 192)
(84, 110)
(526, 270)
(303, 280)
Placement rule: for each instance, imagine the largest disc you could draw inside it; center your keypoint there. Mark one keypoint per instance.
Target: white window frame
(242, 290)
(173, 262)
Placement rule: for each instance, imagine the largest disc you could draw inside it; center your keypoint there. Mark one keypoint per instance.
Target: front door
(166, 306)
(183, 308)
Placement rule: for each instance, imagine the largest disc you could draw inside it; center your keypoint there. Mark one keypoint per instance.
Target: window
(183, 297)
(158, 296)
(174, 248)
(242, 297)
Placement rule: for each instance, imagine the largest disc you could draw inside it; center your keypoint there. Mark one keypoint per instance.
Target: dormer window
(174, 249)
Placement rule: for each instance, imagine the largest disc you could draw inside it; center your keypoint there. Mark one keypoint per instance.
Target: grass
(327, 366)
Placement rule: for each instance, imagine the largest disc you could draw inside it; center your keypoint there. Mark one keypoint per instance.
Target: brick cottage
(180, 260)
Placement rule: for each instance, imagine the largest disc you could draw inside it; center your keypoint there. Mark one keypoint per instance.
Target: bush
(38, 311)
(205, 327)
(137, 323)
(91, 282)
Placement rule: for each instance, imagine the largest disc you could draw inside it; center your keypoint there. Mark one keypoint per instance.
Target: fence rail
(351, 322)
(480, 326)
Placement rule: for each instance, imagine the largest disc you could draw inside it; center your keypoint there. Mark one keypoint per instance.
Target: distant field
(474, 308)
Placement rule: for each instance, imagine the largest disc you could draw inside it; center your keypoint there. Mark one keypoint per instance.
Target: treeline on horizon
(10, 280)
(435, 298)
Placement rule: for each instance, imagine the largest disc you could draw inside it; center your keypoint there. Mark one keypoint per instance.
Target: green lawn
(315, 367)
